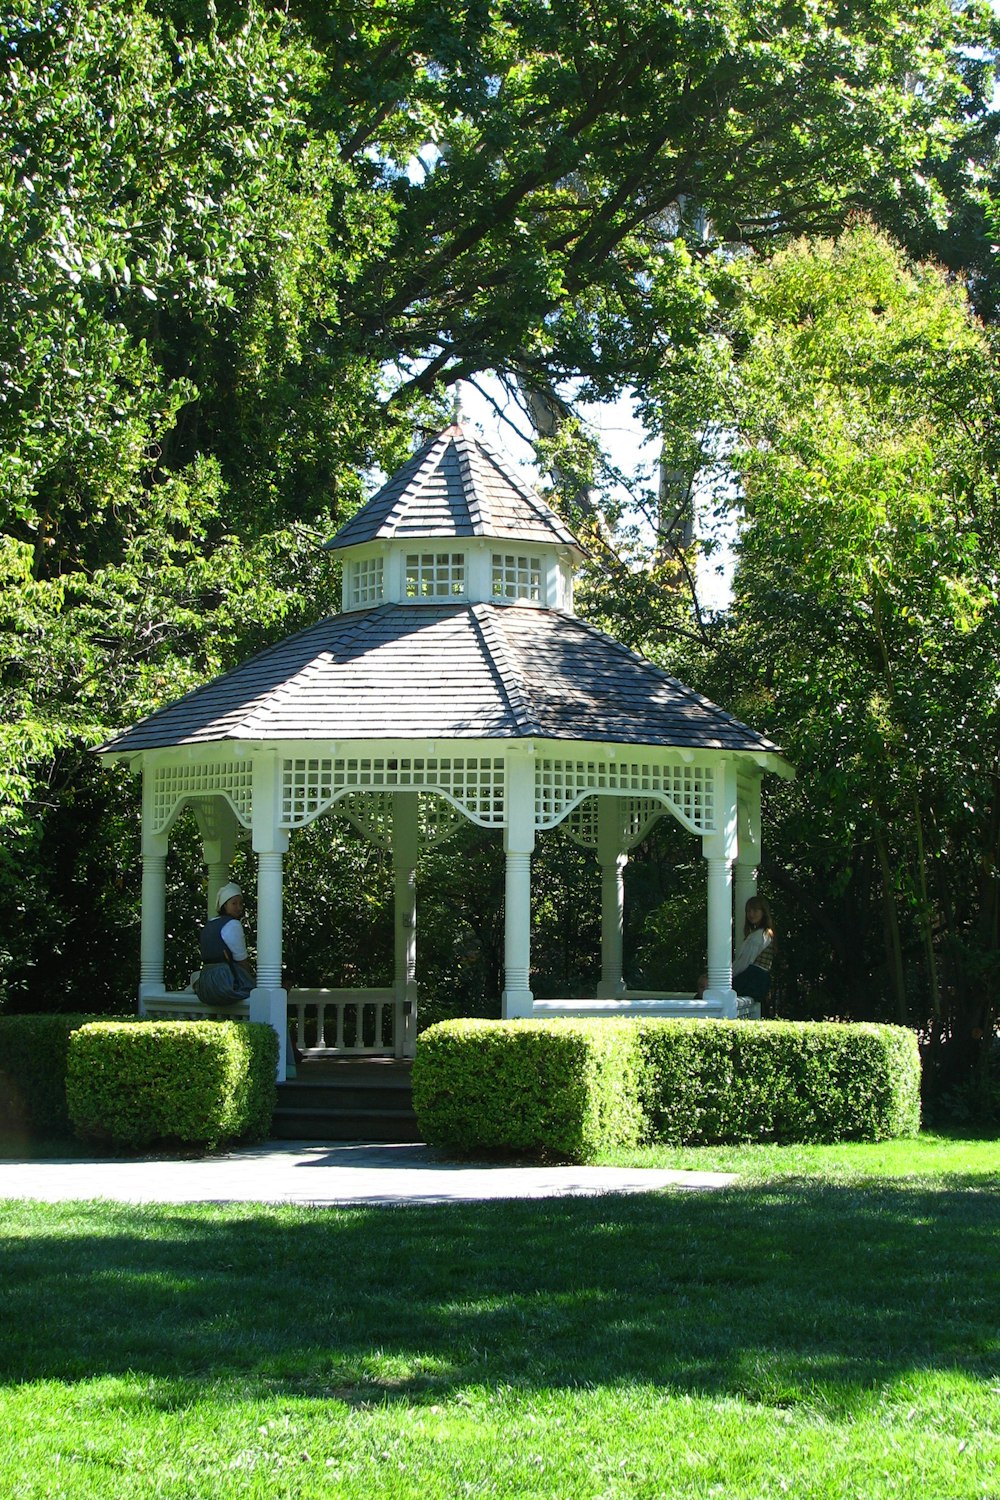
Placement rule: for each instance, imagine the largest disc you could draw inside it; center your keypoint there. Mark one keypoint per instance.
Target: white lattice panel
(174, 784)
(582, 823)
(475, 784)
(636, 815)
(689, 789)
(212, 815)
(371, 813)
(438, 821)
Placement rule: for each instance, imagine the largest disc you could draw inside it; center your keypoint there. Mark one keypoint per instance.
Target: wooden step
(347, 1099)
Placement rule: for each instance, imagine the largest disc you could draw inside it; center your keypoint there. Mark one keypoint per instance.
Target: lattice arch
(371, 813)
(439, 820)
(688, 789)
(636, 816)
(173, 785)
(472, 783)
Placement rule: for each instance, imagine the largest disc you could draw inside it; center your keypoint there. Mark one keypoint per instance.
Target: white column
(270, 883)
(153, 913)
(217, 824)
(268, 1001)
(748, 850)
(612, 860)
(405, 847)
(519, 844)
(153, 919)
(720, 850)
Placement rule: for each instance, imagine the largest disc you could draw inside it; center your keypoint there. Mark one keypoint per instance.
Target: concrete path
(312, 1172)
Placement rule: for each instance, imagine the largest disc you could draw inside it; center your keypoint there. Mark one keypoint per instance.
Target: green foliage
(33, 1052)
(665, 910)
(554, 1087)
(571, 148)
(866, 624)
(578, 1087)
(241, 250)
(780, 1081)
(193, 1083)
(172, 236)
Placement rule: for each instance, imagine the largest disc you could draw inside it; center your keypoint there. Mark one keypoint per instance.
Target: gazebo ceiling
(462, 671)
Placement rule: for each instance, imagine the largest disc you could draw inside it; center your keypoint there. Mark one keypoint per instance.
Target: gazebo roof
(455, 487)
(461, 671)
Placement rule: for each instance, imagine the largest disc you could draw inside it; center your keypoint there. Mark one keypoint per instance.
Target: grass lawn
(826, 1327)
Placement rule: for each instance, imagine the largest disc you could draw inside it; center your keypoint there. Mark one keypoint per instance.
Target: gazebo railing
(645, 1003)
(326, 1023)
(184, 1005)
(353, 1023)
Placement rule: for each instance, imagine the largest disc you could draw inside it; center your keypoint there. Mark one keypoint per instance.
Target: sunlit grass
(929, 1154)
(826, 1328)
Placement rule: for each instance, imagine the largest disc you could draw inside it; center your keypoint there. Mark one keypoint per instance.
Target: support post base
(727, 1000)
(271, 1007)
(516, 1004)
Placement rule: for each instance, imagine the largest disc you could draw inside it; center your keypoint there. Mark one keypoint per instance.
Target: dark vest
(213, 949)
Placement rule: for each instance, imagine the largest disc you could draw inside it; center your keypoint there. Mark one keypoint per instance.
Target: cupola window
(365, 582)
(435, 575)
(517, 576)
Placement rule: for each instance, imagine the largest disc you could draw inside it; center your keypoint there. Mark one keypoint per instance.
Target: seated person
(226, 977)
(752, 961)
(752, 964)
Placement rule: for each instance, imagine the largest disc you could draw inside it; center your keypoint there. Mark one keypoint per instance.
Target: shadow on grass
(776, 1294)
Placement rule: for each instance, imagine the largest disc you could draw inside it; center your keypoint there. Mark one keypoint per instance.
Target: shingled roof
(456, 487)
(462, 671)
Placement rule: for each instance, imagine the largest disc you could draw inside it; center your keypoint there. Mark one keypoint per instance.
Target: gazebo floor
(347, 1099)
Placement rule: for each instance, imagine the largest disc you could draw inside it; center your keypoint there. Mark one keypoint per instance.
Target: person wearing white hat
(226, 977)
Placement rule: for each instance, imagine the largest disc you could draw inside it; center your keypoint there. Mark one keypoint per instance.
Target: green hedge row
(33, 1075)
(571, 1088)
(184, 1083)
(528, 1086)
(708, 1082)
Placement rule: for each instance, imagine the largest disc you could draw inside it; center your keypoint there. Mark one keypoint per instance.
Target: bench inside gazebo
(455, 684)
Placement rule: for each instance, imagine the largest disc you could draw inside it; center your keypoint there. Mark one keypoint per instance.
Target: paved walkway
(312, 1172)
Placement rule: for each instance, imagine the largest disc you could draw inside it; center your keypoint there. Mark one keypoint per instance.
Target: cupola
(455, 525)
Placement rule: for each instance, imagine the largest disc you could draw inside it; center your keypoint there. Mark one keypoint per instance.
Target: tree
(867, 616)
(585, 163)
(170, 458)
(572, 143)
(243, 249)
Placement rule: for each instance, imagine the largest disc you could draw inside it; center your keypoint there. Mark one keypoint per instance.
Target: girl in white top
(752, 964)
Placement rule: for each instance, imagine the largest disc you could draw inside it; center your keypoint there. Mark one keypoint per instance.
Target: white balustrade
(184, 1005)
(352, 1022)
(328, 1023)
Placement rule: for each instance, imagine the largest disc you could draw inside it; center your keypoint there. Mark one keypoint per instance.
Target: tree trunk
(890, 926)
(548, 412)
(927, 936)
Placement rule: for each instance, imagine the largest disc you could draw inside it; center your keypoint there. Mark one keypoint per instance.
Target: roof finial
(456, 410)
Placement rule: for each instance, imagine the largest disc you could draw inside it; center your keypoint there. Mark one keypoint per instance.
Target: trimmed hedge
(710, 1082)
(184, 1083)
(560, 1087)
(572, 1088)
(33, 1074)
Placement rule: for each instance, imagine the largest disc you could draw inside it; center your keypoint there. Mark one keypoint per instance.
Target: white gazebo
(456, 683)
